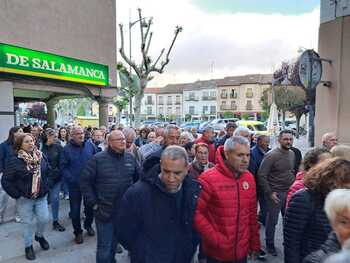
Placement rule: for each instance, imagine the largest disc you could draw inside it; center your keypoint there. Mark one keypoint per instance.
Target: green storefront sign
(29, 62)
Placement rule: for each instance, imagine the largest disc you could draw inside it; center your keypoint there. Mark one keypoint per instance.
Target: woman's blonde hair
(341, 151)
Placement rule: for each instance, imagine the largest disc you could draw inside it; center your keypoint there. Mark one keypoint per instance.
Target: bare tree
(147, 66)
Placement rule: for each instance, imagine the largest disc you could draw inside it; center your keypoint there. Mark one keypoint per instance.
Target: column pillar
(50, 106)
(7, 114)
(103, 110)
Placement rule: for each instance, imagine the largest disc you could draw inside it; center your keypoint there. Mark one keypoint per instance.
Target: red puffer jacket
(226, 215)
(296, 186)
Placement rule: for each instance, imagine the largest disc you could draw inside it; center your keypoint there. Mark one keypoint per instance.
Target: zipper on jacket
(237, 221)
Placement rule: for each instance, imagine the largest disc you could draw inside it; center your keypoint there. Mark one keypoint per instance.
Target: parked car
(257, 127)
(203, 125)
(220, 124)
(189, 125)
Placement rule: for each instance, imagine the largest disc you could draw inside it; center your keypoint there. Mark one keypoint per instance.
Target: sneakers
(79, 238)
(43, 243)
(272, 251)
(30, 255)
(56, 226)
(262, 255)
(90, 231)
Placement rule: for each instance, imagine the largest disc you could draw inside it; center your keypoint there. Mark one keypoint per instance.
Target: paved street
(64, 250)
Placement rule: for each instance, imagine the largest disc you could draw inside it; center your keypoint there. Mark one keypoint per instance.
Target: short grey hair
(168, 128)
(208, 128)
(175, 152)
(336, 202)
(240, 129)
(188, 135)
(76, 127)
(129, 132)
(231, 143)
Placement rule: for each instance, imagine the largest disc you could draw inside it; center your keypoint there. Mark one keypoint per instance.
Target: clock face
(310, 69)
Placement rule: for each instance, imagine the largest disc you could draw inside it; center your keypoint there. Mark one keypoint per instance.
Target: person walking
(74, 158)
(306, 226)
(226, 212)
(275, 176)
(230, 129)
(209, 139)
(6, 152)
(155, 221)
(52, 150)
(103, 182)
(201, 163)
(25, 179)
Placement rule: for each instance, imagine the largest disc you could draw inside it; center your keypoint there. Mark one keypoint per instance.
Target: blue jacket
(74, 159)
(6, 152)
(256, 157)
(157, 226)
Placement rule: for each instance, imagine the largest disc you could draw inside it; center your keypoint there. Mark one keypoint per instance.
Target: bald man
(103, 182)
(329, 140)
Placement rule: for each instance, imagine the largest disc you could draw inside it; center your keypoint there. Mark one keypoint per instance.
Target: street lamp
(131, 24)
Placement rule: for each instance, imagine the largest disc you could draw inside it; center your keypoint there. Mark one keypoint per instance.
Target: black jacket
(157, 226)
(17, 180)
(152, 160)
(53, 153)
(330, 247)
(306, 226)
(105, 179)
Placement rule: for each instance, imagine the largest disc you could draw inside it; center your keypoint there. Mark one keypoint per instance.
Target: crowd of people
(173, 196)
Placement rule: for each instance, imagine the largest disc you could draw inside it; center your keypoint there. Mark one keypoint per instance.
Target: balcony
(149, 102)
(192, 99)
(177, 102)
(227, 107)
(169, 102)
(208, 98)
(249, 107)
(233, 96)
(161, 103)
(249, 95)
(223, 95)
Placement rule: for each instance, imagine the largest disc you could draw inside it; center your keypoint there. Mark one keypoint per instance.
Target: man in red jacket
(226, 215)
(208, 138)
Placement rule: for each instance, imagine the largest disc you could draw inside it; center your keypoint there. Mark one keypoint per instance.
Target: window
(223, 105)
(213, 94)
(233, 105)
(178, 111)
(233, 94)
(149, 110)
(191, 110)
(249, 93)
(161, 110)
(223, 94)
(169, 100)
(212, 109)
(205, 95)
(177, 100)
(149, 100)
(205, 109)
(192, 96)
(249, 105)
(160, 100)
(169, 111)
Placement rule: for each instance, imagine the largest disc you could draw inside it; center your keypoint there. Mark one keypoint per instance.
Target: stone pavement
(64, 250)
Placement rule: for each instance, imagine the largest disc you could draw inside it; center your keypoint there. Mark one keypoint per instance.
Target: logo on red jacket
(245, 185)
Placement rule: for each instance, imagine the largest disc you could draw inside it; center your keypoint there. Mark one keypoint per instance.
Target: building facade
(149, 104)
(169, 102)
(199, 100)
(240, 95)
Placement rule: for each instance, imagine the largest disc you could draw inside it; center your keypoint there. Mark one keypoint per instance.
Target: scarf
(33, 164)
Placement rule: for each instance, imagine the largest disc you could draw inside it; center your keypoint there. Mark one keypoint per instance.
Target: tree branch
(122, 52)
(160, 70)
(149, 42)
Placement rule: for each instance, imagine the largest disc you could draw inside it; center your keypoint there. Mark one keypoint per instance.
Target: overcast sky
(223, 37)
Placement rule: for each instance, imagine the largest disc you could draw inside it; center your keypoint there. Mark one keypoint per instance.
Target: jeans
(4, 198)
(272, 214)
(262, 208)
(54, 196)
(211, 260)
(64, 188)
(27, 209)
(106, 242)
(75, 198)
